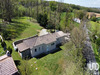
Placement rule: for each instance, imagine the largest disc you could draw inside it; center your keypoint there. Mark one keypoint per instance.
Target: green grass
(98, 19)
(48, 65)
(23, 28)
(63, 15)
(2, 52)
(94, 24)
(97, 56)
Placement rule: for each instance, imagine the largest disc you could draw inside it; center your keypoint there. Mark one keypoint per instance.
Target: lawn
(95, 25)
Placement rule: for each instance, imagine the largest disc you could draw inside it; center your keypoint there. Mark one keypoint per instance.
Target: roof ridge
(3, 58)
(36, 40)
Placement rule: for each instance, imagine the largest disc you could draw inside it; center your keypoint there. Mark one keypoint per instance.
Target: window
(35, 50)
(52, 44)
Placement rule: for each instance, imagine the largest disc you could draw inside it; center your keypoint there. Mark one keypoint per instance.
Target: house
(36, 45)
(77, 20)
(7, 66)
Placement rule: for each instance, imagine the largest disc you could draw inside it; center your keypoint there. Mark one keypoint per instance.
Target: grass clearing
(94, 25)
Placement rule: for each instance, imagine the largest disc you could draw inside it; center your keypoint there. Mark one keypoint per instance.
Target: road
(88, 50)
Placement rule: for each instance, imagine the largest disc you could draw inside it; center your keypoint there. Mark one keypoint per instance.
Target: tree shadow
(16, 28)
(41, 56)
(17, 62)
(50, 52)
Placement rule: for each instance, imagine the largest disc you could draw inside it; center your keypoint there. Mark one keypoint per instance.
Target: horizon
(85, 3)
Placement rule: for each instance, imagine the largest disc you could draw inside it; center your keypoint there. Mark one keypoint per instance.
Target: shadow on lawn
(45, 54)
(17, 28)
(17, 62)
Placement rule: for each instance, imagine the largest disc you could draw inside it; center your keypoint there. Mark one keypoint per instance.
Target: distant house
(77, 20)
(7, 66)
(36, 45)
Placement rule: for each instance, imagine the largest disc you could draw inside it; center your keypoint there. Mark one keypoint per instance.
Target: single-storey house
(36, 45)
(7, 66)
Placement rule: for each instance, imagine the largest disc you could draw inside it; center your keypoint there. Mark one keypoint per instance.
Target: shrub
(98, 41)
(3, 44)
(42, 19)
(93, 19)
(0, 40)
(9, 49)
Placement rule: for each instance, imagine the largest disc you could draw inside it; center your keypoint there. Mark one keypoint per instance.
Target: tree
(98, 41)
(53, 5)
(93, 19)
(7, 7)
(3, 44)
(42, 19)
(81, 14)
(25, 68)
(10, 49)
(37, 9)
(78, 37)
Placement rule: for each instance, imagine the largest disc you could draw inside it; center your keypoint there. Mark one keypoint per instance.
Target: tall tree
(37, 9)
(7, 7)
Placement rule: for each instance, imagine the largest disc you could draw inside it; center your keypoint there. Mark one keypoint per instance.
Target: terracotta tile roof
(7, 66)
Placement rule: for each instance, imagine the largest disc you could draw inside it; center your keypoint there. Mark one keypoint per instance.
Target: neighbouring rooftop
(7, 66)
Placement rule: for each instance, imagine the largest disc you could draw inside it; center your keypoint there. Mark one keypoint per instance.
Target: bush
(9, 49)
(3, 44)
(0, 40)
(93, 19)
(98, 41)
(42, 19)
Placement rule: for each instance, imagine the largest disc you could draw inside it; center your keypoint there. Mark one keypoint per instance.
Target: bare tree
(78, 37)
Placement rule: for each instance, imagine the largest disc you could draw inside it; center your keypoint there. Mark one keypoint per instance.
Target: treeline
(13, 8)
(48, 13)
